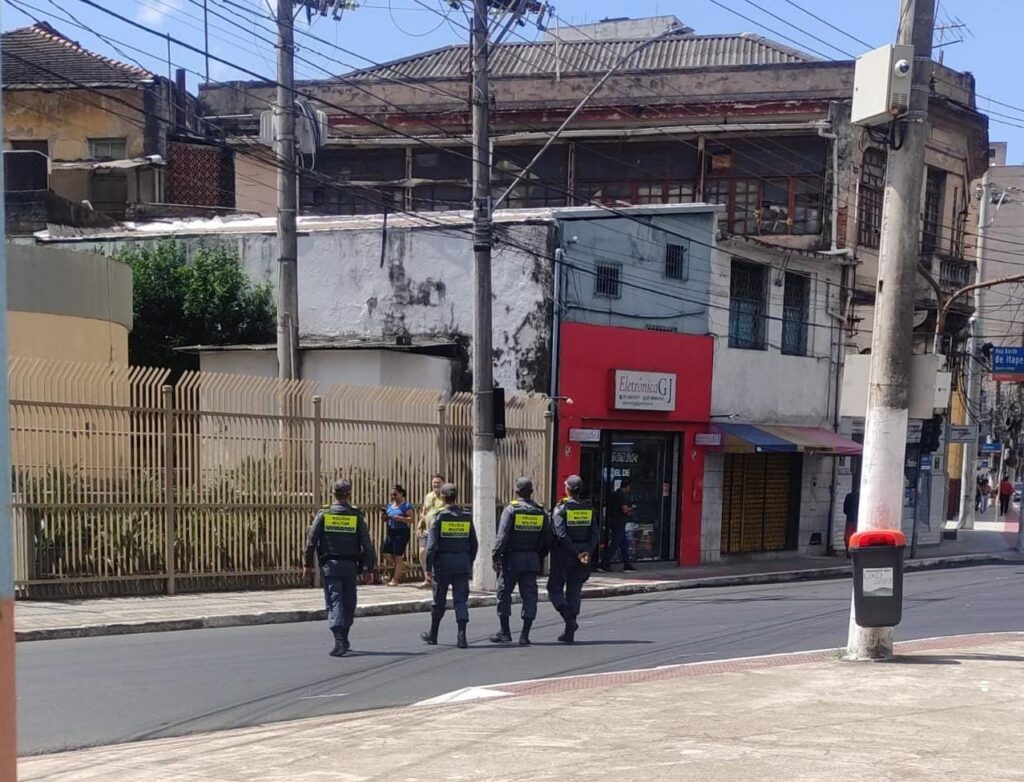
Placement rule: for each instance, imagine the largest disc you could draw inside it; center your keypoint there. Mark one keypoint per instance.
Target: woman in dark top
(400, 519)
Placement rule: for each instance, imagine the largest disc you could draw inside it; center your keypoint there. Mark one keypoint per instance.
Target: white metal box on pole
(881, 85)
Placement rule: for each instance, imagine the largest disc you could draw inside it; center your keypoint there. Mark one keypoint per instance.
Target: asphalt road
(83, 692)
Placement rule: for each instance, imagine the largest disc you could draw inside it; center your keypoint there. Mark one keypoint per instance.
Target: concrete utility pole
(8, 744)
(287, 197)
(484, 461)
(892, 345)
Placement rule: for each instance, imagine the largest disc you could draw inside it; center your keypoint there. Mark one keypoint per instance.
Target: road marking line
(334, 695)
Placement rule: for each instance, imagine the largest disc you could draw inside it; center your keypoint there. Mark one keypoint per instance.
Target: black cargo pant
(459, 582)
(565, 582)
(526, 581)
(339, 577)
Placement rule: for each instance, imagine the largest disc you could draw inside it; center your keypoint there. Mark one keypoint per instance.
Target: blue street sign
(991, 447)
(1008, 363)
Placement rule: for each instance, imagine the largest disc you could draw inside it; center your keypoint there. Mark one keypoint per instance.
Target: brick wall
(200, 175)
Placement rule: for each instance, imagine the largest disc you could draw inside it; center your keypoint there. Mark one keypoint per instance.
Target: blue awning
(745, 438)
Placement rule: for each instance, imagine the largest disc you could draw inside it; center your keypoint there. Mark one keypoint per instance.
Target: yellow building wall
(957, 415)
(255, 185)
(66, 338)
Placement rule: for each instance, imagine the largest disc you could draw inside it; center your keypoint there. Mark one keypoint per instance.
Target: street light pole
(892, 335)
(287, 197)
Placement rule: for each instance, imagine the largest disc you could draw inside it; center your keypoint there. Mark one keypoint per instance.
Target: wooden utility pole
(885, 438)
(484, 461)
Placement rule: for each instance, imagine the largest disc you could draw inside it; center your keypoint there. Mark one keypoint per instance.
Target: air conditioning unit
(881, 85)
(310, 129)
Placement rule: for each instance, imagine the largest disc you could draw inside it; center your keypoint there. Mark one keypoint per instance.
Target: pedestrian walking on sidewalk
(340, 539)
(432, 503)
(851, 507)
(576, 530)
(524, 539)
(451, 549)
(621, 509)
(399, 530)
(1005, 493)
(986, 491)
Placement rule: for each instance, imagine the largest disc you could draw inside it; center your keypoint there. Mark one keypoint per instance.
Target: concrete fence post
(169, 488)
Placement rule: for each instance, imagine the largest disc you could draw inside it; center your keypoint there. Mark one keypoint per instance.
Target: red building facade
(639, 401)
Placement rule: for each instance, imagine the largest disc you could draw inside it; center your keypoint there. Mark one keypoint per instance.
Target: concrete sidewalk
(944, 709)
(39, 620)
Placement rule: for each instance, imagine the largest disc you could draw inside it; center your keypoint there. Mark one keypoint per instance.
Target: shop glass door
(651, 461)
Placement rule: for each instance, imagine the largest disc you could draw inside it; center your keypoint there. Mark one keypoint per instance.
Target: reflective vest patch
(334, 522)
(529, 522)
(454, 529)
(579, 518)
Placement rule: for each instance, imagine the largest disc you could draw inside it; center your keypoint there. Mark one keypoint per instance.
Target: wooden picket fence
(123, 484)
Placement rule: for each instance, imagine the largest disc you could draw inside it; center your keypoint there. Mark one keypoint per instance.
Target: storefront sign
(963, 434)
(644, 390)
(713, 439)
(585, 435)
(991, 447)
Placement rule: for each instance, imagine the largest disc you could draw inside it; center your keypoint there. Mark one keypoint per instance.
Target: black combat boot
(524, 634)
(569, 635)
(504, 635)
(461, 640)
(340, 644)
(431, 637)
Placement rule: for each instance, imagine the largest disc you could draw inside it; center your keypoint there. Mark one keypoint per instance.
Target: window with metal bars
(107, 148)
(796, 301)
(872, 194)
(676, 267)
(931, 225)
(608, 281)
(748, 294)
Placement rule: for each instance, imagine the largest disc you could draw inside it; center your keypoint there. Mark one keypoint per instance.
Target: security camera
(902, 67)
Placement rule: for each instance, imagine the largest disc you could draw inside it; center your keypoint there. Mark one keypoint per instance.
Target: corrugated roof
(40, 56)
(530, 59)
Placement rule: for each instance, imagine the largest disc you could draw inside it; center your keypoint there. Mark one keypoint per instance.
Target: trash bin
(878, 577)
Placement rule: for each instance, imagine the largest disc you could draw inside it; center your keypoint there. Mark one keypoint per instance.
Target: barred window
(608, 281)
(676, 267)
(107, 148)
(748, 293)
(872, 193)
(796, 300)
(934, 194)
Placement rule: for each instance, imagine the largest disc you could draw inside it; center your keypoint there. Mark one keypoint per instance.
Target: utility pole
(484, 461)
(287, 198)
(892, 335)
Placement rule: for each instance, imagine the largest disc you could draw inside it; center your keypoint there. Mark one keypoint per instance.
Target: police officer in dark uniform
(524, 539)
(451, 550)
(576, 533)
(340, 538)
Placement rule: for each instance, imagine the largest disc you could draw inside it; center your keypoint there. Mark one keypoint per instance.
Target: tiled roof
(41, 56)
(526, 59)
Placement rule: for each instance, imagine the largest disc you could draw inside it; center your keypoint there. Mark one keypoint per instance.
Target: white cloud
(153, 12)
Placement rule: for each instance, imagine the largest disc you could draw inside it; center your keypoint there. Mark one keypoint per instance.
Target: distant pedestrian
(986, 493)
(432, 503)
(523, 540)
(340, 539)
(977, 495)
(451, 549)
(851, 506)
(576, 529)
(1005, 494)
(399, 530)
(621, 509)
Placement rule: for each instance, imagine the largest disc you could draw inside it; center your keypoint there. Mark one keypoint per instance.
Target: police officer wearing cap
(340, 538)
(451, 549)
(576, 533)
(524, 539)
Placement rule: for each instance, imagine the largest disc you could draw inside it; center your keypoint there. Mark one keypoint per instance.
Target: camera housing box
(881, 85)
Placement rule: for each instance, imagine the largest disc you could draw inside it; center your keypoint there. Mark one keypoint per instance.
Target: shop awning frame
(770, 438)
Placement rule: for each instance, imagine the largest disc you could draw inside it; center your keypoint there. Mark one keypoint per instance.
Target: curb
(481, 601)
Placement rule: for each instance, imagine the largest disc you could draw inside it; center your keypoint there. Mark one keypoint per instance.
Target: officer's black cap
(342, 487)
(574, 483)
(448, 492)
(524, 486)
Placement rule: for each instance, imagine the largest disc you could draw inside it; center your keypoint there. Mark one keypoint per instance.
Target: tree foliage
(206, 301)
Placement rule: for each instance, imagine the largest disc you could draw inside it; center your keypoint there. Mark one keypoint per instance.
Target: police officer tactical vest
(341, 533)
(578, 515)
(453, 531)
(527, 526)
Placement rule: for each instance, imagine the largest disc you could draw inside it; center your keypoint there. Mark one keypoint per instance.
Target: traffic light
(931, 434)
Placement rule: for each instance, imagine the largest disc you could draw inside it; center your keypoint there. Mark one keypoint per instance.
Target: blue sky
(380, 30)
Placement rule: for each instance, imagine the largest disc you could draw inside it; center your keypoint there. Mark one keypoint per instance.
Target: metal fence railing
(123, 484)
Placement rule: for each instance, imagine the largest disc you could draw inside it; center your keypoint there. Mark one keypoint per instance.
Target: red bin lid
(878, 537)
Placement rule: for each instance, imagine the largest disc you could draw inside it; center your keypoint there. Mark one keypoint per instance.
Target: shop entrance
(651, 461)
(760, 502)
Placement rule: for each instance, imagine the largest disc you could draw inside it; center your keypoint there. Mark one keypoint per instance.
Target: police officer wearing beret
(524, 539)
(576, 533)
(451, 549)
(341, 541)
